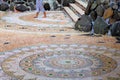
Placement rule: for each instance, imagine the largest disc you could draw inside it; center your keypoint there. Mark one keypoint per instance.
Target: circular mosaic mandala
(59, 62)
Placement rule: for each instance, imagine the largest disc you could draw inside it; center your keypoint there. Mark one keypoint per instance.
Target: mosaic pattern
(62, 62)
(53, 19)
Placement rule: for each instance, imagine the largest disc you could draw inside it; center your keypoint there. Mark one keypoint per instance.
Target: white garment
(39, 6)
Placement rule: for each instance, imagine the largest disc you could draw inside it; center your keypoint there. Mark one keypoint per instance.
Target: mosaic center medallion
(59, 62)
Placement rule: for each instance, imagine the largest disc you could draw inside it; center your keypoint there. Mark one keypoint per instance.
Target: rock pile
(105, 15)
(20, 5)
(25, 5)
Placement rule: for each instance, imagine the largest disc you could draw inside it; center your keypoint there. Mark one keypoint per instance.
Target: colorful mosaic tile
(55, 62)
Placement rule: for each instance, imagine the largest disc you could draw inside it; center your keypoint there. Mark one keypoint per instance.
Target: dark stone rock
(112, 20)
(100, 26)
(118, 38)
(114, 6)
(4, 6)
(106, 1)
(94, 5)
(55, 5)
(115, 29)
(98, 2)
(59, 1)
(32, 6)
(71, 1)
(66, 3)
(116, 15)
(118, 3)
(100, 10)
(19, 2)
(106, 6)
(117, 41)
(102, 2)
(21, 7)
(91, 1)
(12, 6)
(93, 15)
(119, 9)
(84, 24)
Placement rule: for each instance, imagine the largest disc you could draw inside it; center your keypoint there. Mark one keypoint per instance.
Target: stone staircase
(76, 10)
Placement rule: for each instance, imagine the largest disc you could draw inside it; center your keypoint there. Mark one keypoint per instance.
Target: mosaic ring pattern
(59, 62)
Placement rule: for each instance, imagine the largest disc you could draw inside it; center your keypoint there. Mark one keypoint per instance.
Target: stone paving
(44, 52)
(54, 19)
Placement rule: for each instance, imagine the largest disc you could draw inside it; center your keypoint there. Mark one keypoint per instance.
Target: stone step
(78, 9)
(71, 14)
(81, 4)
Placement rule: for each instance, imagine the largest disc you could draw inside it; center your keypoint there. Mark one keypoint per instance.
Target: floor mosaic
(62, 53)
(62, 62)
(53, 19)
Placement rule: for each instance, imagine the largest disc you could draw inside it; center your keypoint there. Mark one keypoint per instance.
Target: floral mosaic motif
(60, 62)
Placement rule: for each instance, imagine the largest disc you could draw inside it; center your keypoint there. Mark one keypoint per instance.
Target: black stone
(117, 41)
(31, 5)
(4, 6)
(100, 26)
(84, 24)
(100, 10)
(12, 6)
(115, 29)
(21, 7)
(116, 15)
(98, 2)
(94, 5)
(91, 1)
(93, 15)
(19, 2)
(55, 5)
(118, 38)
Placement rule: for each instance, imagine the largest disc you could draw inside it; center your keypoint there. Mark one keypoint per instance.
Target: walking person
(39, 7)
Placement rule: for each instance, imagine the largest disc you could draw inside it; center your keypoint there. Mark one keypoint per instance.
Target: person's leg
(37, 9)
(42, 9)
(44, 14)
(37, 13)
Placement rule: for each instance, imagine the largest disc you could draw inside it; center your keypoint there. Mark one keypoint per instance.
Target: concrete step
(71, 14)
(78, 9)
(82, 4)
